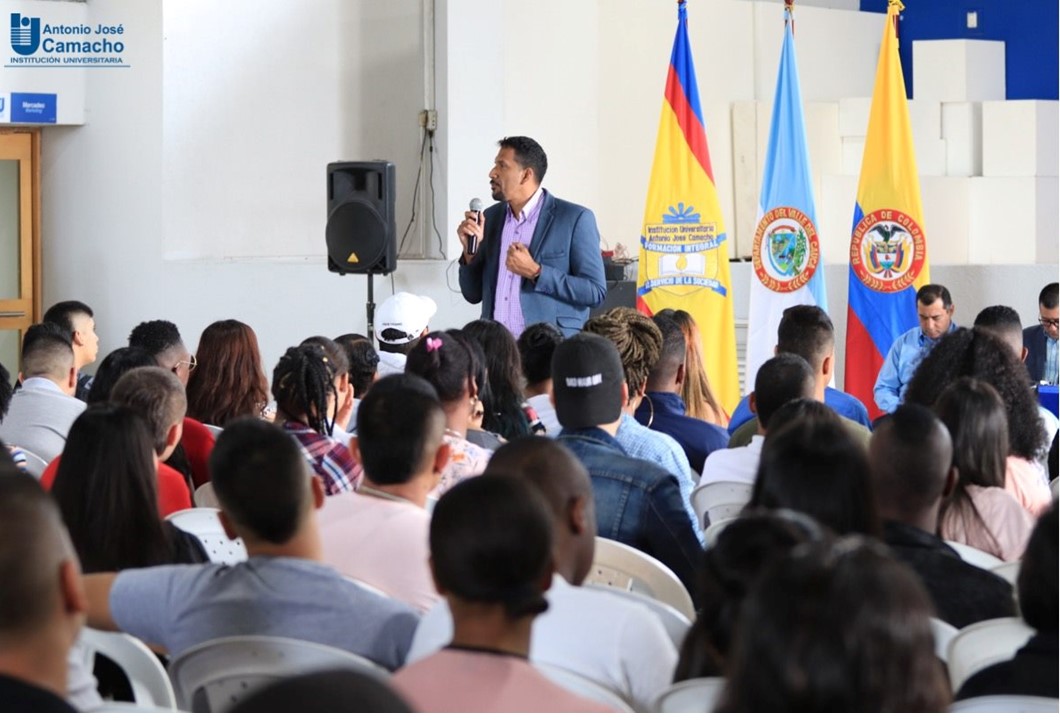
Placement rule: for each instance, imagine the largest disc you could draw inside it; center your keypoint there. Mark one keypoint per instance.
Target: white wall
(195, 191)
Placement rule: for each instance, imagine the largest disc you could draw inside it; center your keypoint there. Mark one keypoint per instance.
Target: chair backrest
(584, 687)
(1007, 704)
(204, 524)
(675, 624)
(205, 497)
(944, 634)
(983, 644)
(710, 535)
(626, 568)
(975, 556)
(214, 429)
(1010, 571)
(720, 500)
(34, 463)
(148, 679)
(214, 675)
(690, 696)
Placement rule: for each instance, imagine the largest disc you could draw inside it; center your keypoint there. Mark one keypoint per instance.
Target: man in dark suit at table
(536, 258)
(1040, 340)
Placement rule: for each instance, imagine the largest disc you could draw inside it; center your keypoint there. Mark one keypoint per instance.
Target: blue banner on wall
(36, 108)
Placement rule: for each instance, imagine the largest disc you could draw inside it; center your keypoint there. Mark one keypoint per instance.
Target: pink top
(381, 540)
(1004, 529)
(1028, 484)
(467, 681)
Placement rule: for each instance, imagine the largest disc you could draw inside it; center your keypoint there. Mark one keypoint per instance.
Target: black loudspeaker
(361, 233)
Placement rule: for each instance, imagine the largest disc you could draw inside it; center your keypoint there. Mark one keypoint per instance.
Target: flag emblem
(888, 251)
(786, 249)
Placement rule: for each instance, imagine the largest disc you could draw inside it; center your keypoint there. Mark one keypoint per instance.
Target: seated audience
(639, 344)
(76, 320)
(782, 378)
(1040, 340)
(980, 512)
(15, 453)
(303, 385)
(1035, 669)
(699, 400)
(536, 345)
(816, 466)
(401, 320)
(739, 556)
(228, 381)
(475, 432)
(42, 605)
(343, 397)
(105, 489)
(663, 409)
(491, 556)
(637, 660)
(446, 363)
(913, 474)
(636, 502)
(324, 691)
(839, 628)
(268, 499)
(378, 533)
(43, 409)
(807, 331)
(979, 353)
(364, 362)
(506, 412)
(117, 363)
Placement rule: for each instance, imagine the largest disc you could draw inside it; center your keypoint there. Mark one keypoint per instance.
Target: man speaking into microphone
(531, 257)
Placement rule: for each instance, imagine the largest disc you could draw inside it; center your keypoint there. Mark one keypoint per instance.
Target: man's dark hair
(117, 363)
(672, 352)
(1037, 581)
(781, 378)
(528, 154)
(928, 294)
(62, 314)
(46, 350)
(6, 390)
(910, 456)
(156, 396)
(536, 345)
(1049, 297)
(399, 422)
(155, 336)
(999, 318)
(807, 331)
(363, 361)
(261, 479)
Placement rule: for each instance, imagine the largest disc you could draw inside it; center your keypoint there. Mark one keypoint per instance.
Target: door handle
(12, 313)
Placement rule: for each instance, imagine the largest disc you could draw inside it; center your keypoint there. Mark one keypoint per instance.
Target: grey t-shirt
(181, 606)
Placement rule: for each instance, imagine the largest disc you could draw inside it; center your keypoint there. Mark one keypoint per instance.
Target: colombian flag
(684, 262)
(888, 251)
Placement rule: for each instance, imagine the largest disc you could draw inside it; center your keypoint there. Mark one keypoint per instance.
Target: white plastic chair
(720, 500)
(975, 556)
(1007, 704)
(690, 696)
(584, 687)
(215, 675)
(983, 644)
(35, 464)
(675, 624)
(204, 524)
(944, 634)
(623, 567)
(1008, 570)
(205, 497)
(214, 430)
(148, 679)
(710, 535)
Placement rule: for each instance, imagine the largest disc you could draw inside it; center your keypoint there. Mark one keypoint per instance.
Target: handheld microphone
(476, 207)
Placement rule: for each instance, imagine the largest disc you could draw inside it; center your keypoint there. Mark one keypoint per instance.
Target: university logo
(786, 249)
(25, 34)
(887, 250)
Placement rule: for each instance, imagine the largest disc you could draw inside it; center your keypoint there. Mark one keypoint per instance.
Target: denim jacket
(637, 503)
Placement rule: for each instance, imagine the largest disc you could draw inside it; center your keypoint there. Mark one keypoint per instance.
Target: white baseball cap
(409, 314)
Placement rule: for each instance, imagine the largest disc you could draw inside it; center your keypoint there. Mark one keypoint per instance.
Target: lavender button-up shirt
(506, 307)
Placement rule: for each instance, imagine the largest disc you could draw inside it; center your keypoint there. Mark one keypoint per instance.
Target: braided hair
(302, 384)
(638, 340)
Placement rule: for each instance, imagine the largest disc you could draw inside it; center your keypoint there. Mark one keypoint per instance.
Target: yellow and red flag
(684, 262)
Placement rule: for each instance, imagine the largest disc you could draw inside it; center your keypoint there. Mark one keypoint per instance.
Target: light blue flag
(788, 267)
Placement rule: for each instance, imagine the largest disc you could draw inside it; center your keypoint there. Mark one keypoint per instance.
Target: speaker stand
(370, 309)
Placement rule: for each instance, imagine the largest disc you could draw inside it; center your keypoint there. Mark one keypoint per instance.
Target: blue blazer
(566, 244)
(1034, 341)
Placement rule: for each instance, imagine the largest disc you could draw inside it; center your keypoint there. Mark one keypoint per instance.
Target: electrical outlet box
(429, 120)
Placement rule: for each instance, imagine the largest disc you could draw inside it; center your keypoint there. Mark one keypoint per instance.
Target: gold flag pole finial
(896, 3)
